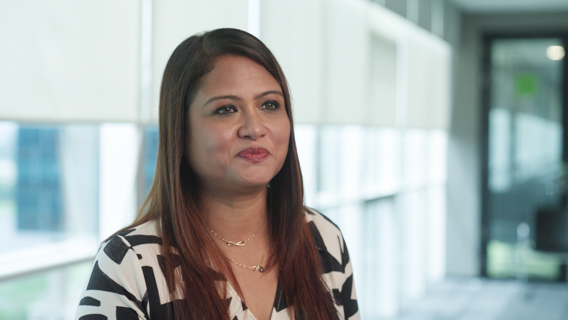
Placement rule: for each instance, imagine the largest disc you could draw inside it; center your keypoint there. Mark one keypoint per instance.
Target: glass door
(523, 160)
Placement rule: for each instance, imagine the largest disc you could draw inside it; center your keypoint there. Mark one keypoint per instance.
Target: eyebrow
(231, 97)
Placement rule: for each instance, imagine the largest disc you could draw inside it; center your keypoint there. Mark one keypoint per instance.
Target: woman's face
(239, 129)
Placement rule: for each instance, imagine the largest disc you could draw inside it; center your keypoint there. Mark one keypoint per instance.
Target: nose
(253, 127)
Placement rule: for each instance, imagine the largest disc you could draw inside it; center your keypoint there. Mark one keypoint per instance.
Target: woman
(223, 233)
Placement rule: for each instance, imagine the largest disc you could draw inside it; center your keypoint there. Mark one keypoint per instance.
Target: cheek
(283, 136)
(199, 146)
(208, 141)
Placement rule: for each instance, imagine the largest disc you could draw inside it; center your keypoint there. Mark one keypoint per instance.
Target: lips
(254, 155)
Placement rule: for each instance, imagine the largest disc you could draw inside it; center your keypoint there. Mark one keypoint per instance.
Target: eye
(226, 110)
(270, 105)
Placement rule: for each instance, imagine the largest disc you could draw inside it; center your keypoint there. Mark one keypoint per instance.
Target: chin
(255, 177)
(255, 183)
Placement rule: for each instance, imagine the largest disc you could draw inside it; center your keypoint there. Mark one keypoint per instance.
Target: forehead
(237, 73)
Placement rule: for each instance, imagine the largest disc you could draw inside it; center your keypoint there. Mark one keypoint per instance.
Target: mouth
(254, 155)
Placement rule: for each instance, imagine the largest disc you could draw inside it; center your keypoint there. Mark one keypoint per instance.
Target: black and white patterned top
(127, 281)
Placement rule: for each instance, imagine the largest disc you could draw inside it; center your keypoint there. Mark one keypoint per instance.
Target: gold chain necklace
(231, 243)
(258, 267)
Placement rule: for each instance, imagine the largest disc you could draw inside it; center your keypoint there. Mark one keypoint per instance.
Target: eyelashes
(270, 105)
(225, 110)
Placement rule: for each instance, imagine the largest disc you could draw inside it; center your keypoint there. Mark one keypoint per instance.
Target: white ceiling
(510, 5)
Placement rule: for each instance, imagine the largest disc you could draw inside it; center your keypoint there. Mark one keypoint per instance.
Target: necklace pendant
(232, 244)
(260, 269)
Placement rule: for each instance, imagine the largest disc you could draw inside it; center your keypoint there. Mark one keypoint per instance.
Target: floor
(477, 299)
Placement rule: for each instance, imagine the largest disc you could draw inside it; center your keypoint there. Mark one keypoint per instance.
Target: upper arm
(116, 288)
(348, 294)
(336, 263)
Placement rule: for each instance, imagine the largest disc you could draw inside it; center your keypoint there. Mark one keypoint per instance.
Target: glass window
(378, 285)
(328, 159)
(389, 151)
(306, 145)
(47, 295)
(48, 184)
(415, 158)
(150, 155)
(351, 154)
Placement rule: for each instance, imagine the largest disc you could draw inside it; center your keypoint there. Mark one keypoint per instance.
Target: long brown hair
(173, 196)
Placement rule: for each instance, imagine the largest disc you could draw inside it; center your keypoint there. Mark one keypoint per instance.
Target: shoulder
(326, 234)
(123, 277)
(123, 256)
(141, 238)
(319, 219)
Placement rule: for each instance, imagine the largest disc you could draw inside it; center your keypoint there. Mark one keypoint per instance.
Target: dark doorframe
(488, 39)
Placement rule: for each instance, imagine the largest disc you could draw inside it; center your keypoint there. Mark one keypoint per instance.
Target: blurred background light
(555, 52)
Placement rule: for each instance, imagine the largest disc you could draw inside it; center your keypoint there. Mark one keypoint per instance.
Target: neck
(235, 217)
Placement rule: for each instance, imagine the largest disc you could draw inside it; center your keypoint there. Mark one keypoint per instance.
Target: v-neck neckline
(278, 297)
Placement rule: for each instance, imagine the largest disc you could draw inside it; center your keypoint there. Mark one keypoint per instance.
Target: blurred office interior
(433, 132)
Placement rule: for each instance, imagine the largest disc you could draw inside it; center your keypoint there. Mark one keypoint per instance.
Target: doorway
(523, 154)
